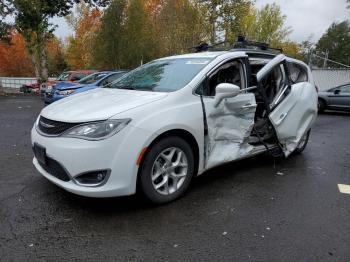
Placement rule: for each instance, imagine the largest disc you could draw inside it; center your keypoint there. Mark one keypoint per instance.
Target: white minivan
(172, 119)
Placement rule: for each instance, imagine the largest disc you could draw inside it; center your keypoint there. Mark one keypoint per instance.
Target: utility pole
(310, 57)
(325, 59)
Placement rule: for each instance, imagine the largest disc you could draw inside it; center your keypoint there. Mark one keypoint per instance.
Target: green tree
(138, 31)
(126, 37)
(266, 25)
(223, 17)
(32, 21)
(305, 49)
(180, 26)
(108, 45)
(336, 41)
(5, 28)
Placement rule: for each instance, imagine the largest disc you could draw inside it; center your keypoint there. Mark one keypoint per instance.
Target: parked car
(30, 88)
(162, 124)
(65, 89)
(337, 98)
(67, 76)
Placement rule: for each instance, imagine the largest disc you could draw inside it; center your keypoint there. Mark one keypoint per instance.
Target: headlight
(37, 121)
(66, 92)
(48, 88)
(97, 130)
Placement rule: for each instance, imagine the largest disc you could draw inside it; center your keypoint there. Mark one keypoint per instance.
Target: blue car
(64, 89)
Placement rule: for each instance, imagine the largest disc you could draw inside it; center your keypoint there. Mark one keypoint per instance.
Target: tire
(321, 105)
(168, 165)
(303, 143)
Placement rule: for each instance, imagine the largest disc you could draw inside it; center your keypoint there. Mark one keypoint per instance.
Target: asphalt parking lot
(258, 209)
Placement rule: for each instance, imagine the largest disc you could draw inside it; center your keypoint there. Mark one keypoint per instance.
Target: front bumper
(118, 154)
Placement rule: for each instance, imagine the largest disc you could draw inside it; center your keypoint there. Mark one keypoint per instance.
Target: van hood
(64, 85)
(72, 86)
(98, 104)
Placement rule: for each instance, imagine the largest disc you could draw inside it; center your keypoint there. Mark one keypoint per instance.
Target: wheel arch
(182, 133)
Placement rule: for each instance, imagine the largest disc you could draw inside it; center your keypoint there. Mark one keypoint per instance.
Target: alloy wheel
(169, 171)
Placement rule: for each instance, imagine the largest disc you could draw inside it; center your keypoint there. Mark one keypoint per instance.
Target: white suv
(169, 120)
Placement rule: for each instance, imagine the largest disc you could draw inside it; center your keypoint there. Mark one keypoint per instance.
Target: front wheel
(167, 170)
(303, 143)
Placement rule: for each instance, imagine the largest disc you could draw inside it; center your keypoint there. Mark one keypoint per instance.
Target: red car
(30, 88)
(67, 76)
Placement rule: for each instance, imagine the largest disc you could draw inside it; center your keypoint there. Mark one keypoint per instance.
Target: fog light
(92, 179)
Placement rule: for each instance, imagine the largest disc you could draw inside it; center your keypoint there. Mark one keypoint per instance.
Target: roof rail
(203, 47)
(241, 44)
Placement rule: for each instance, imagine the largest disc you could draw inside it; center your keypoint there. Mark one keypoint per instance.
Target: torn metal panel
(294, 116)
(229, 128)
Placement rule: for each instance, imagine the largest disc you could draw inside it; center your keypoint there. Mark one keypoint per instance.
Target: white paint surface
(345, 189)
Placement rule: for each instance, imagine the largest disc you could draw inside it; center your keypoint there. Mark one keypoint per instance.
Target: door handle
(248, 106)
(283, 116)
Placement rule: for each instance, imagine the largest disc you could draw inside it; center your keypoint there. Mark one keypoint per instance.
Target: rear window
(298, 73)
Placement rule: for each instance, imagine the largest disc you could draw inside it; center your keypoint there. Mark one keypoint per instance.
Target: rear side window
(298, 73)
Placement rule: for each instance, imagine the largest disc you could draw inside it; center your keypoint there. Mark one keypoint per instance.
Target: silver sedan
(337, 98)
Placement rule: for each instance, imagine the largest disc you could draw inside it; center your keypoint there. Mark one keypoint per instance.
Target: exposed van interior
(263, 132)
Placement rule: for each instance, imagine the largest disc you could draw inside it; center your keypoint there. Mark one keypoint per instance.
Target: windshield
(90, 79)
(162, 75)
(64, 76)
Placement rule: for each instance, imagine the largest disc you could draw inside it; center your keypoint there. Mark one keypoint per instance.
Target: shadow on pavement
(203, 183)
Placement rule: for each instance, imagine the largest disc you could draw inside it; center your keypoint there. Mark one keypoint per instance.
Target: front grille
(54, 168)
(51, 127)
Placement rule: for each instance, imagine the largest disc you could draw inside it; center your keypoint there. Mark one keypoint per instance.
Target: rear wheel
(167, 170)
(303, 143)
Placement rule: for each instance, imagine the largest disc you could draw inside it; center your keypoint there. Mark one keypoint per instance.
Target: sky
(307, 18)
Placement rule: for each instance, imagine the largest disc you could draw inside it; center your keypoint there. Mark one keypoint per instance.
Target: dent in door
(229, 128)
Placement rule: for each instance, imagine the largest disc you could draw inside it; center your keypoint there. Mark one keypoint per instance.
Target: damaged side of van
(167, 121)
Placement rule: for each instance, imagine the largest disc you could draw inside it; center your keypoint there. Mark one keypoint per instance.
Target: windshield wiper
(126, 87)
(137, 89)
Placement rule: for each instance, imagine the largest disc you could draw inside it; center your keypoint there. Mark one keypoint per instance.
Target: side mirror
(225, 90)
(337, 92)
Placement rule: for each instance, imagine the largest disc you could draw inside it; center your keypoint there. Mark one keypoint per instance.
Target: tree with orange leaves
(14, 58)
(85, 26)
